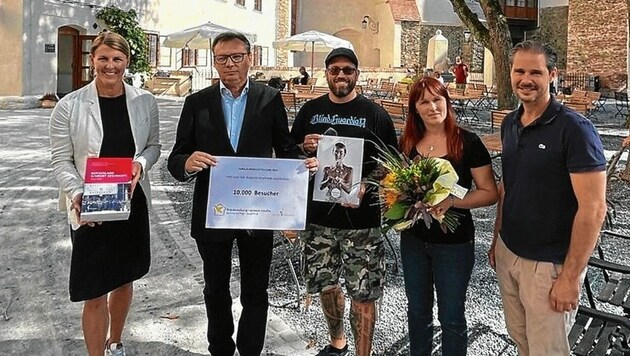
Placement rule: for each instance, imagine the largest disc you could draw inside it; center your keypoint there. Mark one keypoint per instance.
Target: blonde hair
(113, 40)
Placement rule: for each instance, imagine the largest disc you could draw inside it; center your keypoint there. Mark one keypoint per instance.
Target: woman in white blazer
(106, 118)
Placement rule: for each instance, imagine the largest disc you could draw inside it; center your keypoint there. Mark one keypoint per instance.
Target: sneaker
(115, 349)
(330, 351)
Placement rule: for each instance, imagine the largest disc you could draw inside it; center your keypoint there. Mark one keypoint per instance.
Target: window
(165, 54)
(261, 56)
(153, 49)
(240, 2)
(258, 5)
(189, 57)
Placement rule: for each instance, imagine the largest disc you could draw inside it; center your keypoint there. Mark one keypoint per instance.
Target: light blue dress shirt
(233, 112)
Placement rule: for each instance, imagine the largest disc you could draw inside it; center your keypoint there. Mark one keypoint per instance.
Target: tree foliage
(494, 35)
(125, 23)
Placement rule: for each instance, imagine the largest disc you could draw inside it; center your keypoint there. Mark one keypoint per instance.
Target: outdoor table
(464, 104)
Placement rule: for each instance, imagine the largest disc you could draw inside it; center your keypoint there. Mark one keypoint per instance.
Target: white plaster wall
(41, 21)
(553, 3)
(437, 12)
(317, 15)
(173, 17)
(43, 18)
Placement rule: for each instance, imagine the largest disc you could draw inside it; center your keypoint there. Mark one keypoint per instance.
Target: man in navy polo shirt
(552, 205)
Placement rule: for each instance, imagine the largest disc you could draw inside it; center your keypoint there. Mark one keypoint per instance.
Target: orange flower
(389, 180)
(390, 196)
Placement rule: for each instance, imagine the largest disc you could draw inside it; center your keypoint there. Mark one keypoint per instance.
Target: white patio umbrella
(314, 41)
(200, 37)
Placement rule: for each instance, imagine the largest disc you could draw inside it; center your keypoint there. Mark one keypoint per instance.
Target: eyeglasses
(345, 70)
(235, 57)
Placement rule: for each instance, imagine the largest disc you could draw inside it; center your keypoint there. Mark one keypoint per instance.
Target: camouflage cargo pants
(360, 254)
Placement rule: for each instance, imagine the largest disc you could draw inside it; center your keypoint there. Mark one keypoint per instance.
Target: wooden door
(82, 73)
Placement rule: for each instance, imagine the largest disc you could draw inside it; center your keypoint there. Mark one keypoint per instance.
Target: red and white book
(107, 189)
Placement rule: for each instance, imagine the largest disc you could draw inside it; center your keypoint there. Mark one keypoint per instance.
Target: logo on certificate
(219, 209)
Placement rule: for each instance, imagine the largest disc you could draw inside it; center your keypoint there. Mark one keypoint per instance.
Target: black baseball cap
(342, 52)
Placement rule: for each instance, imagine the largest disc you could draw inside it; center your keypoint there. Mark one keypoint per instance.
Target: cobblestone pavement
(36, 317)
(168, 315)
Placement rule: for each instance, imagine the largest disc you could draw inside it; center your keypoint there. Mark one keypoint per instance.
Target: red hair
(414, 126)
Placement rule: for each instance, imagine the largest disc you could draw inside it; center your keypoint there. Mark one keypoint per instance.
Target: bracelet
(452, 200)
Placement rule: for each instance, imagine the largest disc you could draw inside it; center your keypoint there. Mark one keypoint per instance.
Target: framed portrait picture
(339, 177)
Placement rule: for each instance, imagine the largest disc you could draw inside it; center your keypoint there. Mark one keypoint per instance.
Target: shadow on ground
(76, 347)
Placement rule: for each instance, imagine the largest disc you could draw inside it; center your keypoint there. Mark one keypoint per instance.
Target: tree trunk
(496, 37)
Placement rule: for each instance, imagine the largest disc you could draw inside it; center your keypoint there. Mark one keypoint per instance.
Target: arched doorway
(73, 59)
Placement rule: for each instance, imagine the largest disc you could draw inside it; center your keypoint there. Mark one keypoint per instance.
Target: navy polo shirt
(539, 204)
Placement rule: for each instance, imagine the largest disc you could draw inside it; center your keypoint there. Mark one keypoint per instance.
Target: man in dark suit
(235, 117)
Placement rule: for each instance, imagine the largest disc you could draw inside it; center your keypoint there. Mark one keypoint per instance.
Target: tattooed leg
(333, 305)
(362, 320)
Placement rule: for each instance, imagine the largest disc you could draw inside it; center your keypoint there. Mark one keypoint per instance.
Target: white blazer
(76, 133)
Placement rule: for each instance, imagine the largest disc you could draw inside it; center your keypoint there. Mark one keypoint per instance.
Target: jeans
(448, 268)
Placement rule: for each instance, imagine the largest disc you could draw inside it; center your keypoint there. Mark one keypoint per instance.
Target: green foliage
(125, 23)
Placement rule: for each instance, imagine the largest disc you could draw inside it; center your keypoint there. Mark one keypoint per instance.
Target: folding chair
(621, 104)
(596, 332)
(287, 249)
(290, 104)
(616, 278)
(475, 103)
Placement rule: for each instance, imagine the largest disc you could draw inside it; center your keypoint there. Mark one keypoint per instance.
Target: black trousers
(254, 254)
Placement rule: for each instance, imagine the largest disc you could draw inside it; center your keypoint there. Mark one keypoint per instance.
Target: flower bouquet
(409, 188)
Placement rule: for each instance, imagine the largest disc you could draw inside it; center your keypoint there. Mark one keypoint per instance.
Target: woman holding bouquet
(433, 257)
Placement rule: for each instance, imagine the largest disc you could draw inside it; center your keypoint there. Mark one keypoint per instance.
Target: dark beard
(342, 92)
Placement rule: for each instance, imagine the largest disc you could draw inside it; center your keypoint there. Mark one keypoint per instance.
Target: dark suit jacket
(202, 127)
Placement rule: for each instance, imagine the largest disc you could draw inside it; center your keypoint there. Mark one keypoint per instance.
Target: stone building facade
(597, 40)
(283, 22)
(415, 38)
(554, 23)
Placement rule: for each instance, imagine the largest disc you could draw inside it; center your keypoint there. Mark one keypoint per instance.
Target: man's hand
(564, 294)
(199, 161)
(626, 142)
(491, 254)
(312, 164)
(311, 141)
(360, 194)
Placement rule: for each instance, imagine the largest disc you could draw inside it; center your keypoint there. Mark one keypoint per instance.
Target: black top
(475, 155)
(539, 204)
(359, 118)
(117, 137)
(304, 79)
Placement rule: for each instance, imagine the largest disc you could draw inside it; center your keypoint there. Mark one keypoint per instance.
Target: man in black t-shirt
(342, 236)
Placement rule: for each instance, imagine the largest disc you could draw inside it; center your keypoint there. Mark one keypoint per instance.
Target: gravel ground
(485, 319)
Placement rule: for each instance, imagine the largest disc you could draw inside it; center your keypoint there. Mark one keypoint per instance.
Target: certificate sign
(257, 193)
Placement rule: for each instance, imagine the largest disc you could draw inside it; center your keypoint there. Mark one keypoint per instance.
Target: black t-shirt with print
(360, 118)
